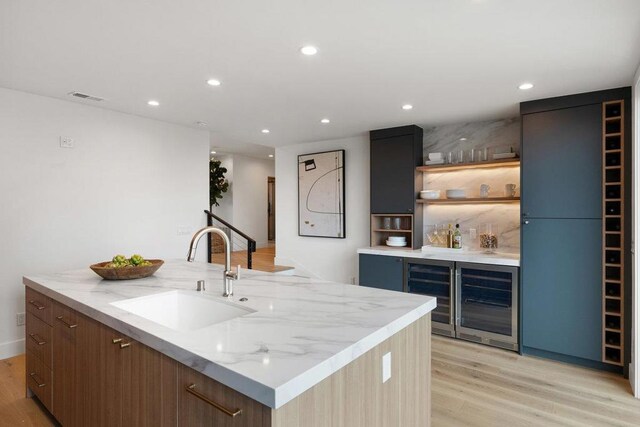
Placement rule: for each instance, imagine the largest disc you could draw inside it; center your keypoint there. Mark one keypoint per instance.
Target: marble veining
(302, 331)
(504, 217)
(493, 133)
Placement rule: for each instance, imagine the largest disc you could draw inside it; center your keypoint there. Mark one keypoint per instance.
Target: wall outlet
(473, 234)
(386, 367)
(20, 319)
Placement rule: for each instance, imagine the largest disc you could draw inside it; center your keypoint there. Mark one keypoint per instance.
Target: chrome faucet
(228, 275)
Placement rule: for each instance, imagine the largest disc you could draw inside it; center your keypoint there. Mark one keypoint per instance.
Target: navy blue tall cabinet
(562, 227)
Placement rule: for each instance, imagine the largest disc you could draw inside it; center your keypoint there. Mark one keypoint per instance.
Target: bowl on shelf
(397, 239)
(396, 244)
(456, 193)
(126, 273)
(430, 194)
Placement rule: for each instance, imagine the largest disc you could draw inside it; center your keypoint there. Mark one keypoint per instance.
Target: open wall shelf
(469, 201)
(465, 166)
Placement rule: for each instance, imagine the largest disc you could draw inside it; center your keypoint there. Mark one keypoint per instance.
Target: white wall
(250, 196)
(125, 188)
(634, 369)
(245, 203)
(330, 259)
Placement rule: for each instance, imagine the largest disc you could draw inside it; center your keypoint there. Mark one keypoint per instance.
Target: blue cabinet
(382, 272)
(561, 163)
(562, 287)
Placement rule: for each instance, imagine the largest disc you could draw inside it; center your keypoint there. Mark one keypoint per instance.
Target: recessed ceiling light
(325, 121)
(153, 103)
(309, 50)
(213, 82)
(463, 139)
(199, 123)
(407, 107)
(265, 131)
(525, 86)
(213, 152)
(271, 156)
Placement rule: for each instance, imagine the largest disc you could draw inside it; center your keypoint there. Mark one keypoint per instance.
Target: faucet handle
(233, 275)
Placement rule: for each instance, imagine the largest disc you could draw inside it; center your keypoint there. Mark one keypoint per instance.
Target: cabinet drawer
(39, 379)
(38, 339)
(38, 305)
(63, 316)
(203, 402)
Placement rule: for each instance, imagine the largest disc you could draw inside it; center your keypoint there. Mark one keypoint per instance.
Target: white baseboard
(11, 349)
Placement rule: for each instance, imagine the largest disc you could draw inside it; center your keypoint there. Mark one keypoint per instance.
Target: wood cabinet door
(66, 386)
(149, 393)
(197, 405)
(100, 368)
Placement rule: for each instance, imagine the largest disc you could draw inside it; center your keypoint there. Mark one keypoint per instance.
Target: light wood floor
(262, 259)
(475, 385)
(472, 385)
(15, 409)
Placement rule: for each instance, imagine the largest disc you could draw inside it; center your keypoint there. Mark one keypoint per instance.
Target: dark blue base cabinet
(382, 272)
(476, 302)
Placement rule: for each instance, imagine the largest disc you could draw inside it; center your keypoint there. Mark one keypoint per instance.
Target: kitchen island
(293, 351)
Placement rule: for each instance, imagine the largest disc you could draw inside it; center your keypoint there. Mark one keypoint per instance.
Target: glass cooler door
(434, 278)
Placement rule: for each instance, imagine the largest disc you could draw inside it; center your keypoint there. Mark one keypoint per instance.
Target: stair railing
(242, 240)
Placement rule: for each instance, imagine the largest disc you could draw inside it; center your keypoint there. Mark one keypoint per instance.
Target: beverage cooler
(476, 302)
(436, 279)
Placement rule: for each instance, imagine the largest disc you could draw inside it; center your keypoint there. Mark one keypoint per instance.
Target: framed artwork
(321, 194)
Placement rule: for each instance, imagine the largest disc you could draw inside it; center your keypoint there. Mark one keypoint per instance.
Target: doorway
(271, 208)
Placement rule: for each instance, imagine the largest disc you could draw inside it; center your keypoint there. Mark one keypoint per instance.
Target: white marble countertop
(303, 330)
(459, 255)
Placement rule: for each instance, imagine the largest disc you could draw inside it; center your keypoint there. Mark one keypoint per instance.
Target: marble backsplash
(489, 134)
(505, 217)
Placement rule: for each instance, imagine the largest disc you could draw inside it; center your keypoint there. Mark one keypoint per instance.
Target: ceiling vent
(85, 96)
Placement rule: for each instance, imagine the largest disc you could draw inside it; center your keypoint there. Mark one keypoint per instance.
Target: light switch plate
(386, 367)
(20, 317)
(66, 142)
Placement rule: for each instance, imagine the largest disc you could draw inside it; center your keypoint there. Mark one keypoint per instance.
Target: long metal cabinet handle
(232, 413)
(37, 305)
(458, 289)
(34, 376)
(36, 338)
(116, 340)
(125, 344)
(67, 324)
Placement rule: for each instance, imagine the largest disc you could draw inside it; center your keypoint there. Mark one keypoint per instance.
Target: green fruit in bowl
(120, 261)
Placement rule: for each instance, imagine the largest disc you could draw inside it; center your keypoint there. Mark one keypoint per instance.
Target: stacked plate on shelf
(397, 241)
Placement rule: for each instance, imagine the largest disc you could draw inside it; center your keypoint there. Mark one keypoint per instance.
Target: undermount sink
(182, 310)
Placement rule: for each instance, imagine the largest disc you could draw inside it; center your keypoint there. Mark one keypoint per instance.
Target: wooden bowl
(126, 273)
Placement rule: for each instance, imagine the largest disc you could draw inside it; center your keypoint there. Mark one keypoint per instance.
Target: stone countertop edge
(512, 260)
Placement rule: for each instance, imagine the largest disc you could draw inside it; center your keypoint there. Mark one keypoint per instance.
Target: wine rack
(613, 228)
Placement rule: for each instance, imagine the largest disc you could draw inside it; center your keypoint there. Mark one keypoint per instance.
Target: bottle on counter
(457, 238)
(450, 237)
